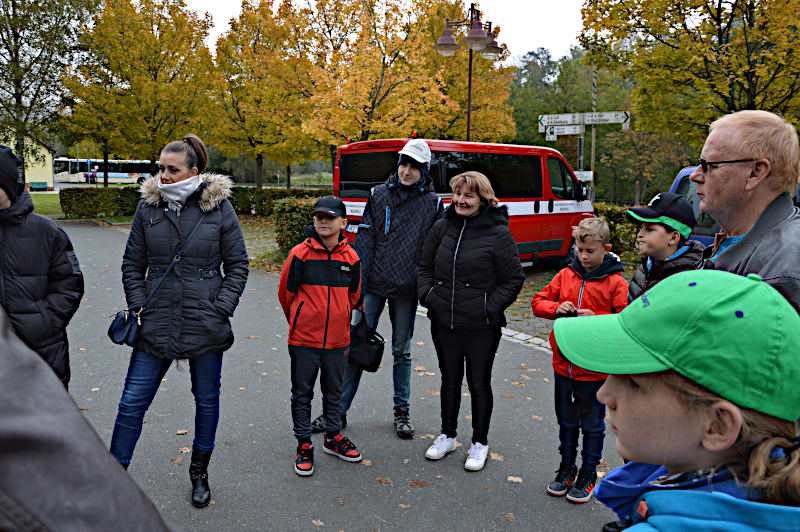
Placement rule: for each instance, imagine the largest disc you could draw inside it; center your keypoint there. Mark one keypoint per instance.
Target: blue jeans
(144, 376)
(578, 410)
(401, 313)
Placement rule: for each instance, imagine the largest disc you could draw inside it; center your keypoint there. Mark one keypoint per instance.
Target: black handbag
(366, 347)
(124, 328)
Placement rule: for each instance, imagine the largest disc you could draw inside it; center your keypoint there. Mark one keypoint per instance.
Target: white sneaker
(477, 457)
(441, 446)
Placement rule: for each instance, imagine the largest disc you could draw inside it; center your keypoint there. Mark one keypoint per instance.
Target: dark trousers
(306, 363)
(141, 384)
(476, 348)
(577, 409)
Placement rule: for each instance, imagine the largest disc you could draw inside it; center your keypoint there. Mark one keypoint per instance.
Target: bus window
(516, 176)
(359, 172)
(561, 182)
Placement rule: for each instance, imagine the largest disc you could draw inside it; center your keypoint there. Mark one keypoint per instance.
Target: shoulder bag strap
(175, 260)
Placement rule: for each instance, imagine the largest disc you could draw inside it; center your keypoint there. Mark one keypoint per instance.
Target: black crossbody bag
(124, 328)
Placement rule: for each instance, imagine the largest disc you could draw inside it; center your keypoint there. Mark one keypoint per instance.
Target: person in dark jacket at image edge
(41, 284)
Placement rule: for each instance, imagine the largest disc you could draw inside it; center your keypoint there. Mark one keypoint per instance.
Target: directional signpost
(573, 124)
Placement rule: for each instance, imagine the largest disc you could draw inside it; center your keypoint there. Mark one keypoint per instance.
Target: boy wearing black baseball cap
(320, 286)
(666, 223)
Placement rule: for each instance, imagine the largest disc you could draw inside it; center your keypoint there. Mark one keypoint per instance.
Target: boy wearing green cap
(666, 223)
(703, 398)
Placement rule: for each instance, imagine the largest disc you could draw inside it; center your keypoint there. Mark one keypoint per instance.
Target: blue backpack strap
(388, 223)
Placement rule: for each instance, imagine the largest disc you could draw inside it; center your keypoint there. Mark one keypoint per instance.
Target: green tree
(38, 40)
(695, 60)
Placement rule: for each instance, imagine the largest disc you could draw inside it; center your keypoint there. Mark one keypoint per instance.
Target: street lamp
(480, 38)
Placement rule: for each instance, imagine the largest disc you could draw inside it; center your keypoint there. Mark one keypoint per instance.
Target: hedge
(623, 232)
(247, 200)
(291, 215)
(95, 202)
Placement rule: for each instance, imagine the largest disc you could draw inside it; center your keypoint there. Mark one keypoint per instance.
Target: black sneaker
(318, 425)
(304, 461)
(616, 526)
(581, 491)
(341, 447)
(402, 424)
(565, 476)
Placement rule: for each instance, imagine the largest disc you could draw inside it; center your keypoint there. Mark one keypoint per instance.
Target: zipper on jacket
(580, 299)
(429, 293)
(328, 307)
(485, 309)
(453, 283)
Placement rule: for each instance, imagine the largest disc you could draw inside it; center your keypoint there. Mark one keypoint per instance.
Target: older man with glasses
(745, 181)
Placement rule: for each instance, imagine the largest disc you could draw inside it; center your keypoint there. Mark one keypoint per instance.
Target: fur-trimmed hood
(213, 190)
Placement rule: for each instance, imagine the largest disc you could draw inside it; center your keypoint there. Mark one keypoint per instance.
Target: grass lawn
(47, 204)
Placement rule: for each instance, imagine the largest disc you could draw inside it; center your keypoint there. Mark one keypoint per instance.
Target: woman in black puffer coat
(469, 273)
(189, 316)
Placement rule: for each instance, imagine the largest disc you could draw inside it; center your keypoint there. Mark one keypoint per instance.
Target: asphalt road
(253, 483)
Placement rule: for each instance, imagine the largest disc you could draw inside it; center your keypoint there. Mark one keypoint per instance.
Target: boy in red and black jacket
(320, 285)
(592, 284)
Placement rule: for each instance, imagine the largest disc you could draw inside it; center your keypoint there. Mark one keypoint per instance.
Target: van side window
(561, 181)
(452, 163)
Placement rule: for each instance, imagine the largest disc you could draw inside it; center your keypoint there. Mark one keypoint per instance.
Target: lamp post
(480, 38)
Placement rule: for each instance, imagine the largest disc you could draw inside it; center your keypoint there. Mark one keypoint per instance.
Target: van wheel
(572, 254)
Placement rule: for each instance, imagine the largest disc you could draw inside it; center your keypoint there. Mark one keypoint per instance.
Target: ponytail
(193, 149)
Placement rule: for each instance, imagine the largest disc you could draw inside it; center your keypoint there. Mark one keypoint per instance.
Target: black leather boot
(198, 473)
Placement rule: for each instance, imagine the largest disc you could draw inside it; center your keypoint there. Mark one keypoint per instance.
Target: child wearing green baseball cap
(703, 396)
(666, 223)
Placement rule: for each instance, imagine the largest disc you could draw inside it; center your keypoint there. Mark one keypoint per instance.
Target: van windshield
(706, 225)
(511, 175)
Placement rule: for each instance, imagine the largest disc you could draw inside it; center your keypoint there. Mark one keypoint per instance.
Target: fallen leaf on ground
(406, 460)
(253, 337)
(278, 336)
(439, 476)
(545, 379)
(432, 392)
(418, 483)
(496, 456)
(427, 436)
(404, 506)
(514, 479)
(537, 418)
(507, 396)
(366, 462)
(526, 377)
(428, 373)
(95, 389)
(601, 474)
(420, 368)
(274, 371)
(185, 450)
(517, 383)
(384, 481)
(468, 417)
(523, 366)
(81, 349)
(259, 361)
(317, 522)
(485, 488)
(181, 432)
(177, 459)
(509, 517)
(420, 343)
(243, 388)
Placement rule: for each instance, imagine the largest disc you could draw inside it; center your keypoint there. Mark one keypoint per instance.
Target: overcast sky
(525, 25)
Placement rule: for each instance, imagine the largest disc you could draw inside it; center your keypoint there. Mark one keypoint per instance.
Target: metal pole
(469, 96)
(594, 137)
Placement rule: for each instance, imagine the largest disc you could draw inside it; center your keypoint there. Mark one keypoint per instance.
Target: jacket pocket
(297, 315)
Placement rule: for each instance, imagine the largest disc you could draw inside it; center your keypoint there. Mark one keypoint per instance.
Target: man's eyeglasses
(705, 164)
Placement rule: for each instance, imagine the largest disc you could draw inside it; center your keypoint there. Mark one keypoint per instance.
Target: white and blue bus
(92, 170)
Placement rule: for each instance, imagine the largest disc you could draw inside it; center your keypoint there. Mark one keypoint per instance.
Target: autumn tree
(694, 60)
(38, 40)
(643, 158)
(149, 75)
(377, 75)
(264, 87)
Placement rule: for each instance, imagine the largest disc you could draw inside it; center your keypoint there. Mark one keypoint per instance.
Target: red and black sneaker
(581, 491)
(341, 447)
(304, 462)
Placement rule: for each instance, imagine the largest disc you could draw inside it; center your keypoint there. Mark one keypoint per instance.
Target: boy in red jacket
(592, 284)
(320, 285)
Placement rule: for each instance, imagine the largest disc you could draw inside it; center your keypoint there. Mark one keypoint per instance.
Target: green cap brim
(601, 344)
(682, 228)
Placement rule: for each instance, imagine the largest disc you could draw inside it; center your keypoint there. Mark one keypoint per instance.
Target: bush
(623, 231)
(291, 215)
(97, 202)
(260, 201)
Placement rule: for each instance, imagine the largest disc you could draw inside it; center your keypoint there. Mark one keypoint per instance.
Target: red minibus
(543, 196)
